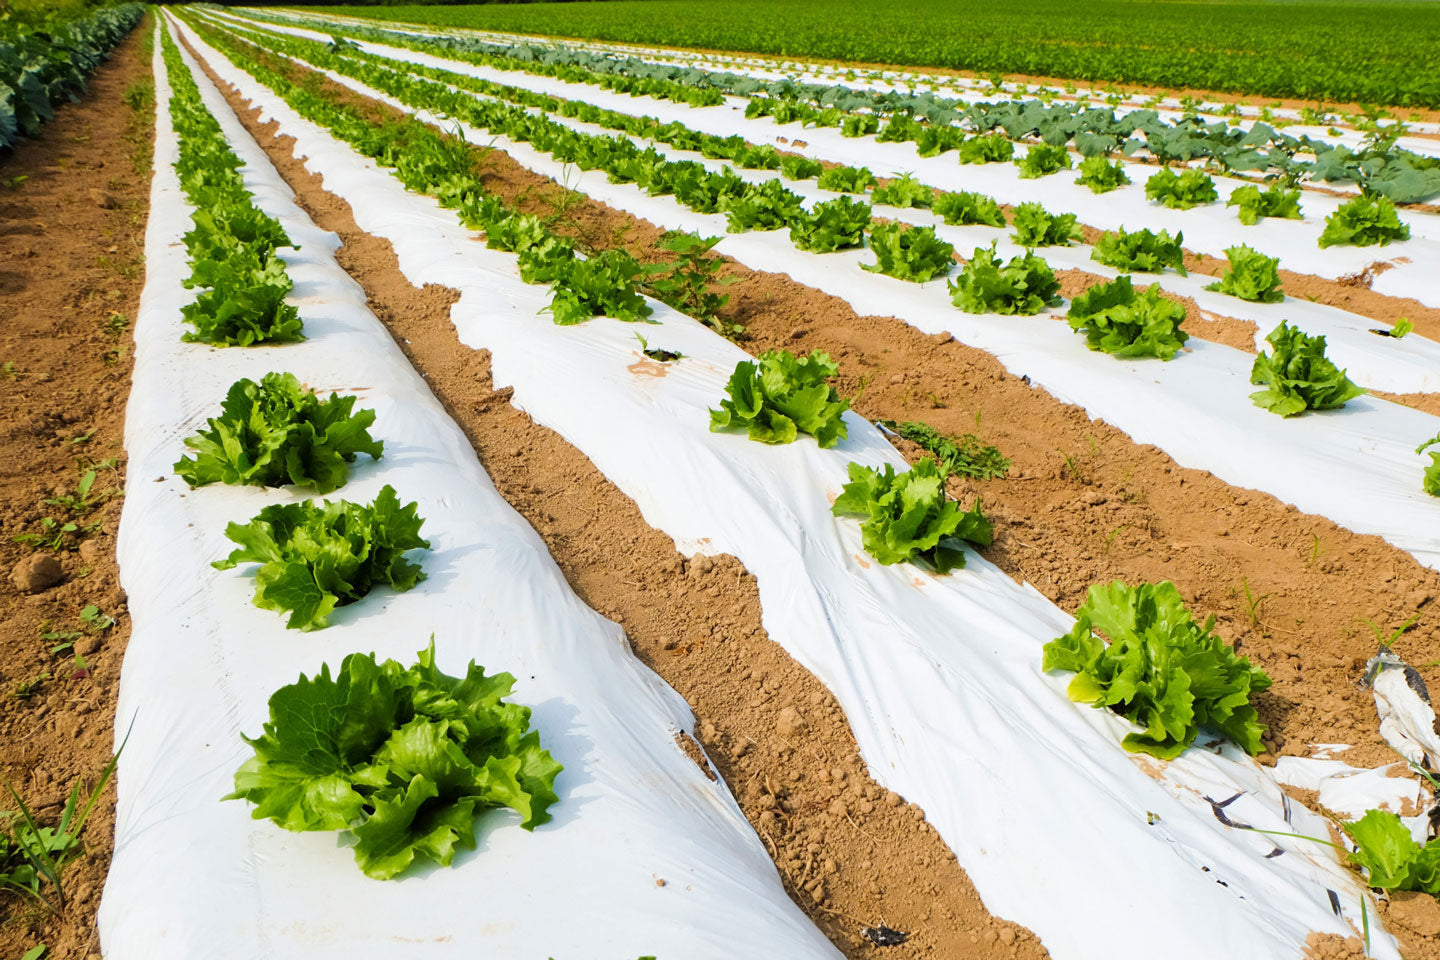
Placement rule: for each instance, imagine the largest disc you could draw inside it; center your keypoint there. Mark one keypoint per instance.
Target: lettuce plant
(1043, 159)
(1250, 276)
(909, 253)
(1432, 472)
(602, 286)
(779, 396)
(1161, 670)
(315, 557)
(276, 432)
(1391, 858)
(1182, 191)
(1102, 176)
(1298, 376)
(904, 191)
(762, 206)
(833, 225)
(964, 207)
(1364, 222)
(987, 148)
(1142, 251)
(793, 167)
(1118, 321)
(1025, 285)
(1277, 201)
(846, 179)
(908, 517)
(1037, 227)
(404, 758)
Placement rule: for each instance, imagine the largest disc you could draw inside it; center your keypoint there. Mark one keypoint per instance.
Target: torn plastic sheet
(1356, 466)
(939, 677)
(1209, 228)
(194, 877)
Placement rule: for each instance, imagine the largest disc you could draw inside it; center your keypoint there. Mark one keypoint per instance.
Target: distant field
(1372, 51)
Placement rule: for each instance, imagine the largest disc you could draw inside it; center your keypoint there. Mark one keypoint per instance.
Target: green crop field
(1368, 51)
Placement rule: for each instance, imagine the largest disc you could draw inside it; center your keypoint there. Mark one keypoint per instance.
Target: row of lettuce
(938, 124)
(1362, 221)
(46, 57)
(405, 758)
(1135, 650)
(1114, 317)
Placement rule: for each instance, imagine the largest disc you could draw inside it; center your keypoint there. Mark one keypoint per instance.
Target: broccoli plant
(1037, 227)
(1364, 222)
(1298, 376)
(1182, 191)
(1118, 321)
(1250, 276)
(909, 253)
(1026, 285)
(964, 207)
(833, 225)
(1141, 250)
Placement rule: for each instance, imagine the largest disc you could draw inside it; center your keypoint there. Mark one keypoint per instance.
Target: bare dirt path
(73, 207)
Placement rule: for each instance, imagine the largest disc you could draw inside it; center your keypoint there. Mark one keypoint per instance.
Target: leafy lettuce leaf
(987, 148)
(846, 179)
(833, 225)
(1298, 376)
(403, 758)
(1364, 222)
(1037, 227)
(1274, 202)
(1026, 285)
(1161, 670)
(779, 396)
(1389, 854)
(904, 191)
(909, 253)
(1100, 175)
(964, 207)
(276, 432)
(1432, 472)
(1142, 251)
(1043, 159)
(1118, 321)
(1182, 191)
(1250, 276)
(908, 516)
(315, 557)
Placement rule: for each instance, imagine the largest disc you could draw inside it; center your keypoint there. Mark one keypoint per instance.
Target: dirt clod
(37, 572)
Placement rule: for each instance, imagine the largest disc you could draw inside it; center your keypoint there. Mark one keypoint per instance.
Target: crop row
(45, 59)
(938, 124)
(1114, 319)
(904, 516)
(1264, 51)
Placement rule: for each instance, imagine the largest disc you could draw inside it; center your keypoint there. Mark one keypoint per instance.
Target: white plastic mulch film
(1209, 228)
(1357, 466)
(193, 877)
(939, 677)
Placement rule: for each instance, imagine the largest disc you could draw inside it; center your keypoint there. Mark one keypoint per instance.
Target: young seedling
(655, 353)
(685, 282)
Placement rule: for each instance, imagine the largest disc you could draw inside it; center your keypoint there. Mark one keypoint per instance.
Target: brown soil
(1083, 503)
(850, 854)
(71, 245)
(1428, 402)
